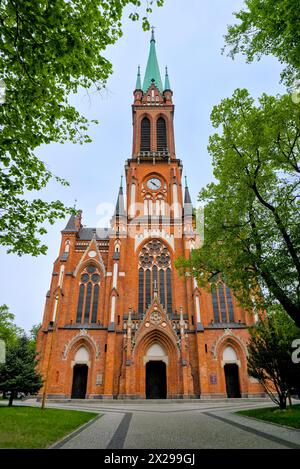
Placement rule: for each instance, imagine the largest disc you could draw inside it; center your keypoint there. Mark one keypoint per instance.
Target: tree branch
(281, 227)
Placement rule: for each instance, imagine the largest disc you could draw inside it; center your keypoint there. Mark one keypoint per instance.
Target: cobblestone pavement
(174, 425)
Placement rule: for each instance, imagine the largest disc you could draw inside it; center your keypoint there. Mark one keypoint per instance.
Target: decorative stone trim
(234, 362)
(75, 362)
(82, 334)
(92, 247)
(154, 233)
(228, 334)
(150, 358)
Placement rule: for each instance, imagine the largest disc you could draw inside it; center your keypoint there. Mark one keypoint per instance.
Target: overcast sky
(189, 38)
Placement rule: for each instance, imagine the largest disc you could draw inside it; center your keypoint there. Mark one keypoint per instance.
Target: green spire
(167, 81)
(152, 69)
(138, 85)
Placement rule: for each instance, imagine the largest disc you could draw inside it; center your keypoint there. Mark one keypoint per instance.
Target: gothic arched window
(88, 298)
(154, 276)
(222, 303)
(161, 134)
(145, 134)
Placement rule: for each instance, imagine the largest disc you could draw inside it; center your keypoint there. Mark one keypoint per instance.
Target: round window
(95, 278)
(84, 278)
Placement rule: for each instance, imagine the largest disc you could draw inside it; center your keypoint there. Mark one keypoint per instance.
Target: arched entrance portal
(232, 380)
(80, 373)
(156, 372)
(231, 371)
(156, 380)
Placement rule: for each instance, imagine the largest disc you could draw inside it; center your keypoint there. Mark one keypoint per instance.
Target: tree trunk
(11, 398)
(282, 402)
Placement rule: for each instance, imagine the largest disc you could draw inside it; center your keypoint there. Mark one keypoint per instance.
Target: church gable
(153, 95)
(155, 322)
(93, 254)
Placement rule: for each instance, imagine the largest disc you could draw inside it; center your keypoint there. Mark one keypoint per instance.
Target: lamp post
(50, 352)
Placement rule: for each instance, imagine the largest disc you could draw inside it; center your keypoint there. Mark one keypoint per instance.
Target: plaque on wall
(99, 379)
(213, 378)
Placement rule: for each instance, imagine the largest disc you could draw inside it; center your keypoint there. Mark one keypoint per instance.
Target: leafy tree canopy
(48, 49)
(18, 373)
(33, 335)
(9, 332)
(268, 27)
(252, 223)
(270, 355)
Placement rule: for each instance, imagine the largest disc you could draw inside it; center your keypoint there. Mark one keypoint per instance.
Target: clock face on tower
(153, 184)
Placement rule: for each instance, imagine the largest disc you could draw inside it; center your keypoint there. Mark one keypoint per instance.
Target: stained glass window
(95, 304)
(222, 303)
(88, 298)
(215, 304)
(80, 303)
(229, 304)
(88, 303)
(162, 287)
(141, 291)
(148, 288)
(169, 291)
(155, 271)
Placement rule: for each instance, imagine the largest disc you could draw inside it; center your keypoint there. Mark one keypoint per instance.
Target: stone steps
(156, 401)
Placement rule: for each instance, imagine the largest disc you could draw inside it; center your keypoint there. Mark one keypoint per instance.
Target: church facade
(119, 321)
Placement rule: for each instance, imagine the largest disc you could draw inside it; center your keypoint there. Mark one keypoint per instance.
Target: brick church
(119, 321)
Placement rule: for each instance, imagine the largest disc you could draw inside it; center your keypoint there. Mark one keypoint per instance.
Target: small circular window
(84, 278)
(95, 278)
(91, 269)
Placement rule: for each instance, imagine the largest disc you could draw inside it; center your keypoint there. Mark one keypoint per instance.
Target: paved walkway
(198, 425)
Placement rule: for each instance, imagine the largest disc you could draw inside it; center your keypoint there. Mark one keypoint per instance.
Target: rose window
(154, 253)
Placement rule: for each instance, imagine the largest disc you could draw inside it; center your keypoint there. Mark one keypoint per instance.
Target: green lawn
(31, 427)
(289, 417)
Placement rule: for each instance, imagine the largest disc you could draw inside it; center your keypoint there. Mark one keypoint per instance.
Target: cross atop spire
(152, 33)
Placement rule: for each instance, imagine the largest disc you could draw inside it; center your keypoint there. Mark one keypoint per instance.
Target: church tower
(119, 321)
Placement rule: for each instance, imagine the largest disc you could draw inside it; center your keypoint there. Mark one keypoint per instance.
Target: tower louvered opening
(161, 134)
(145, 134)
